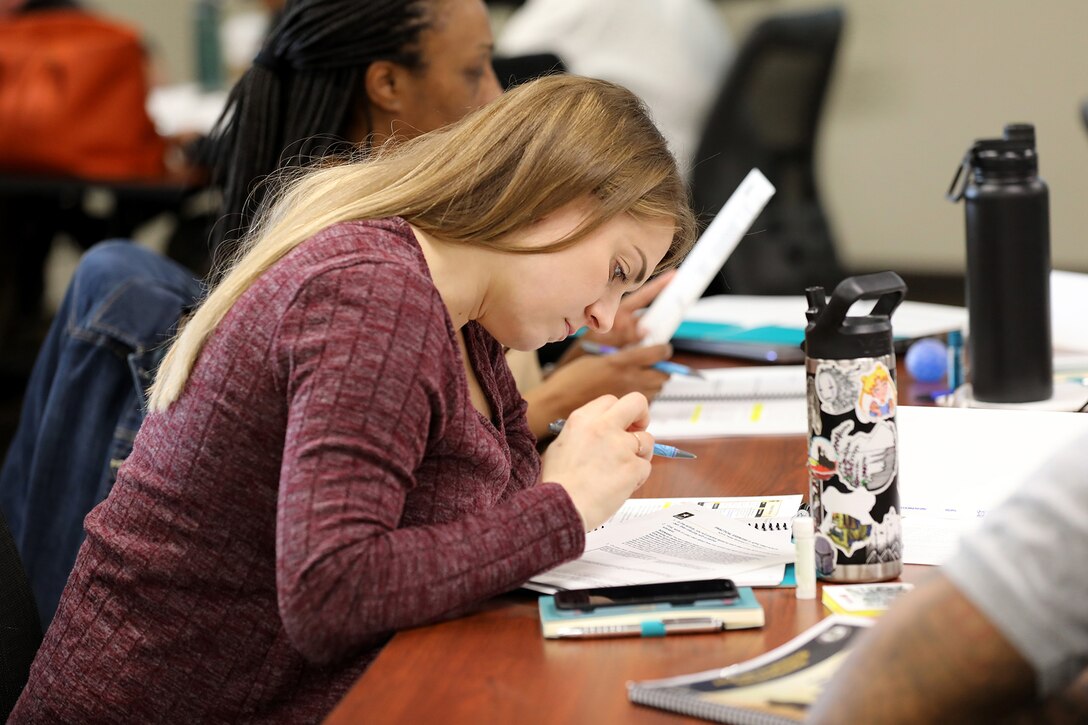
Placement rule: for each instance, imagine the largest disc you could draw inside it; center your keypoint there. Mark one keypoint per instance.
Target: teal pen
(664, 366)
(660, 449)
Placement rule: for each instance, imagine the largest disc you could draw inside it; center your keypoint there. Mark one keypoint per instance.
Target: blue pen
(664, 366)
(660, 449)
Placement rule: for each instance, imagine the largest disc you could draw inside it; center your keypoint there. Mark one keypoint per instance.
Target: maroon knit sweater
(322, 482)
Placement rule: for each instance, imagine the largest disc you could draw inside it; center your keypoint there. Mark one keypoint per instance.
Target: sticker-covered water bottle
(852, 463)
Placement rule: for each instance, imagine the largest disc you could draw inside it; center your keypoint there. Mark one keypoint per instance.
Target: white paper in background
(755, 382)
(664, 315)
(1068, 302)
(957, 464)
(756, 400)
(679, 420)
(733, 507)
(910, 320)
(672, 545)
(184, 108)
(1069, 396)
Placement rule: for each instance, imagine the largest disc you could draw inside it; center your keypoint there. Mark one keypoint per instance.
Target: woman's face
(535, 299)
(456, 77)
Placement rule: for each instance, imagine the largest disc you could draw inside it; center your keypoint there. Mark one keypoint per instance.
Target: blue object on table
(927, 360)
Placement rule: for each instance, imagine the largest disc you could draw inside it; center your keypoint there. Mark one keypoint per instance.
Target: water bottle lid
(1011, 156)
(1023, 132)
(832, 335)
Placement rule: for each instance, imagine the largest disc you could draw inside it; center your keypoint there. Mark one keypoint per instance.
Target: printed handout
(672, 545)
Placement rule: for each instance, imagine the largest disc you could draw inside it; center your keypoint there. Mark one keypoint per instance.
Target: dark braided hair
(298, 99)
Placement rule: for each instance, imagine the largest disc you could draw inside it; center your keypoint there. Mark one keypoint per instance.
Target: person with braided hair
(336, 449)
(336, 73)
(379, 72)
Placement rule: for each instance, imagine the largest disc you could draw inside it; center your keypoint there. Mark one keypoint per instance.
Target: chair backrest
(767, 116)
(20, 629)
(514, 70)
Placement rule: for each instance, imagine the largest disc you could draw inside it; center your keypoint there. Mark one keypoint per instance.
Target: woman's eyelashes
(619, 273)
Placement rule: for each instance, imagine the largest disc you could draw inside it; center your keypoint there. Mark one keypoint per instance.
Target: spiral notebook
(758, 400)
(777, 687)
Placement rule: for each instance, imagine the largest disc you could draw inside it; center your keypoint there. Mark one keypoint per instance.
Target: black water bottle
(1008, 268)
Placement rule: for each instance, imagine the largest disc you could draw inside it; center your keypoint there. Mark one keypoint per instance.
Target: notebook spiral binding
(771, 525)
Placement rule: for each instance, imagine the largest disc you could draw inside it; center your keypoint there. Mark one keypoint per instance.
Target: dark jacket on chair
(85, 402)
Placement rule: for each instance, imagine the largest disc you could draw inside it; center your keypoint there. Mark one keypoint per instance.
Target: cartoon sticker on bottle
(823, 462)
(837, 387)
(815, 421)
(886, 543)
(825, 555)
(847, 519)
(865, 460)
(877, 398)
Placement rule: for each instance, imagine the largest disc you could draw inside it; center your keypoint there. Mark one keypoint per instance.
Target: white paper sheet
(748, 508)
(955, 465)
(671, 545)
(1068, 300)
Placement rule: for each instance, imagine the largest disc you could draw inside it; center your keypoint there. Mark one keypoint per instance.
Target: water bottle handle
(887, 288)
(954, 195)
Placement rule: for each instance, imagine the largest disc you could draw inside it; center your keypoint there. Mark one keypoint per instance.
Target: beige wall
(917, 81)
(168, 27)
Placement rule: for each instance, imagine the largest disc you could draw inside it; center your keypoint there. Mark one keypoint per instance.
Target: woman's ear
(384, 86)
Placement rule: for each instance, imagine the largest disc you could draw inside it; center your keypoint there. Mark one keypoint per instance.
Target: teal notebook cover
(722, 332)
(725, 332)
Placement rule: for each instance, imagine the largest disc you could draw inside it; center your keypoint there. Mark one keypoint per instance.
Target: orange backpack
(73, 89)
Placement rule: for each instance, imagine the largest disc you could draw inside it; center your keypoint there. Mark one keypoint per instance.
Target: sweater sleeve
(357, 351)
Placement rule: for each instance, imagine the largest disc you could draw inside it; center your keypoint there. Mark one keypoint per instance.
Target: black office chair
(20, 629)
(517, 69)
(766, 117)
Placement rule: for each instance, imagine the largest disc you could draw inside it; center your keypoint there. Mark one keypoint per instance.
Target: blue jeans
(85, 401)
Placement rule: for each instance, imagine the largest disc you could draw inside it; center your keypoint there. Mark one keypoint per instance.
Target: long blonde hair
(537, 148)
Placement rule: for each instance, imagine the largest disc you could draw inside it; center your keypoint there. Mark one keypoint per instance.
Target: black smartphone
(671, 592)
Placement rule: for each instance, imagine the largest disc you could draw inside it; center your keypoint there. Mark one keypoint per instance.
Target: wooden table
(494, 666)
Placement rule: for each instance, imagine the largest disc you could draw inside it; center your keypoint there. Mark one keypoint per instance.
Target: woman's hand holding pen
(627, 371)
(602, 455)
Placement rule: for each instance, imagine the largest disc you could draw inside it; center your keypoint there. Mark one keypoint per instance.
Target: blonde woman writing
(336, 448)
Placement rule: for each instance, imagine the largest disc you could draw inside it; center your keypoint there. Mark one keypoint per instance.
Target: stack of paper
(661, 540)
